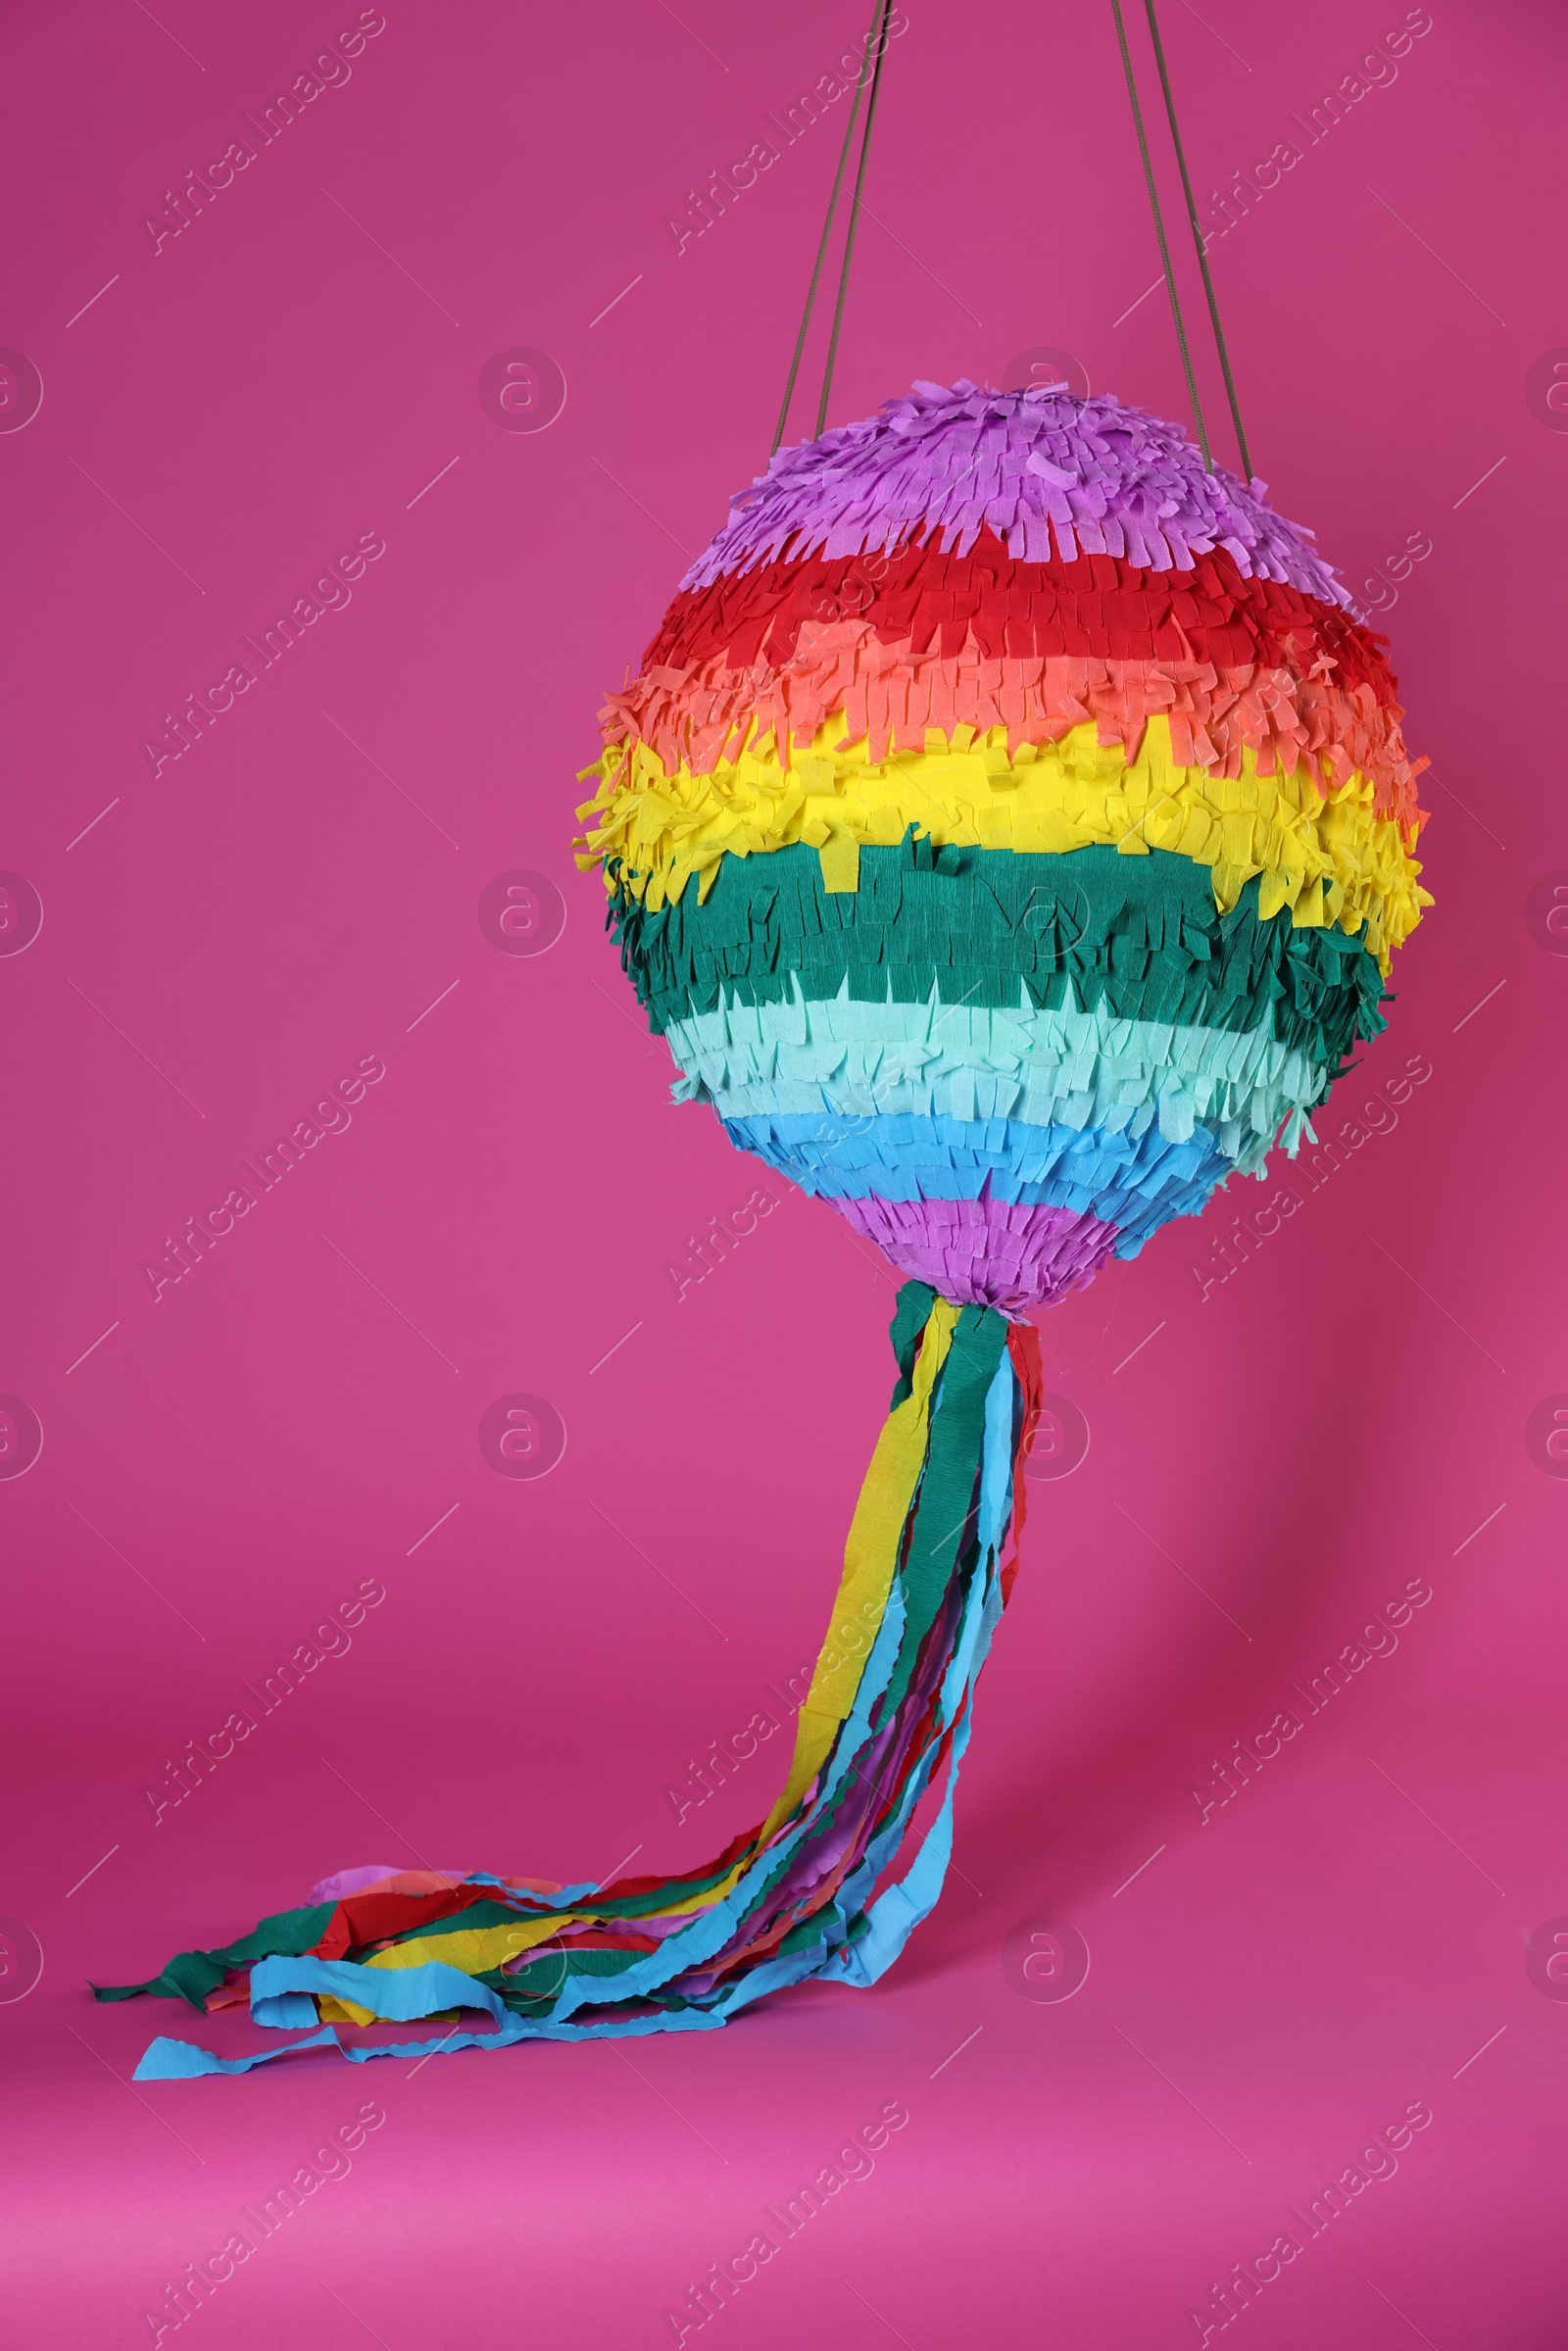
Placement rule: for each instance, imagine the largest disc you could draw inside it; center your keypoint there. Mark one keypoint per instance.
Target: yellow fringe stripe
(1322, 852)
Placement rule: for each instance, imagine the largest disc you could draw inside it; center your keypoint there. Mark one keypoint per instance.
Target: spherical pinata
(1008, 828)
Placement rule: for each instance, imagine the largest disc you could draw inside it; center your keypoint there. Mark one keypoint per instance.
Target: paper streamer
(828, 1886)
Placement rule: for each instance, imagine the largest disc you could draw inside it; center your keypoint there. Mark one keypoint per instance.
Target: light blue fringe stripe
(1134, 1184)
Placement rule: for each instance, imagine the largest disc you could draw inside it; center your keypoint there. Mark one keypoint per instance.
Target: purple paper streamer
(344, 1883)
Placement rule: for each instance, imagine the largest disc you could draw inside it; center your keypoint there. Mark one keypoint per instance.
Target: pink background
(1274, 1464)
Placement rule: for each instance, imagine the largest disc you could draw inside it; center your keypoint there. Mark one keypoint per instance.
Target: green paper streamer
(191, 1975)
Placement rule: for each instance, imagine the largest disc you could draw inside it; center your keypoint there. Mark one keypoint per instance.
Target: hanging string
(1198, 241)
(879, 30)
(876, 46)
(1159, 231)
(878, 11)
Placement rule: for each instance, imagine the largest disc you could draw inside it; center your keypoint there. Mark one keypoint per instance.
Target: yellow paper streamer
(871, 1558)
(473, 1950)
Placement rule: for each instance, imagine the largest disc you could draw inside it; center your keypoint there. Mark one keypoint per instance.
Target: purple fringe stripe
(986, 1253)
(1106, 479)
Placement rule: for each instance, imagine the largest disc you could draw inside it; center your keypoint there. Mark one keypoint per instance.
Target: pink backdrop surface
(1271, 1979)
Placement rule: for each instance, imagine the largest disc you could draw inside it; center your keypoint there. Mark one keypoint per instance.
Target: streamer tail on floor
(830, 1885)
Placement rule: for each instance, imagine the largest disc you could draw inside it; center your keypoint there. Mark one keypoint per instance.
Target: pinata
(1009, 830)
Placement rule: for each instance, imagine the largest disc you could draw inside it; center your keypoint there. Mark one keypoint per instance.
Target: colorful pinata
(1009, 828)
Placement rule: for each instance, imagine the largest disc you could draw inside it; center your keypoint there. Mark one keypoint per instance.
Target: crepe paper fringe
(1099, 606)
(1328, 858)
(989, 1252)
(926, 639)
(1132, 1181)
(1131, 1185)
(826, 1887)
(890, 698)
(1062, 1069)
(1131, 937)
(1045, 471)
